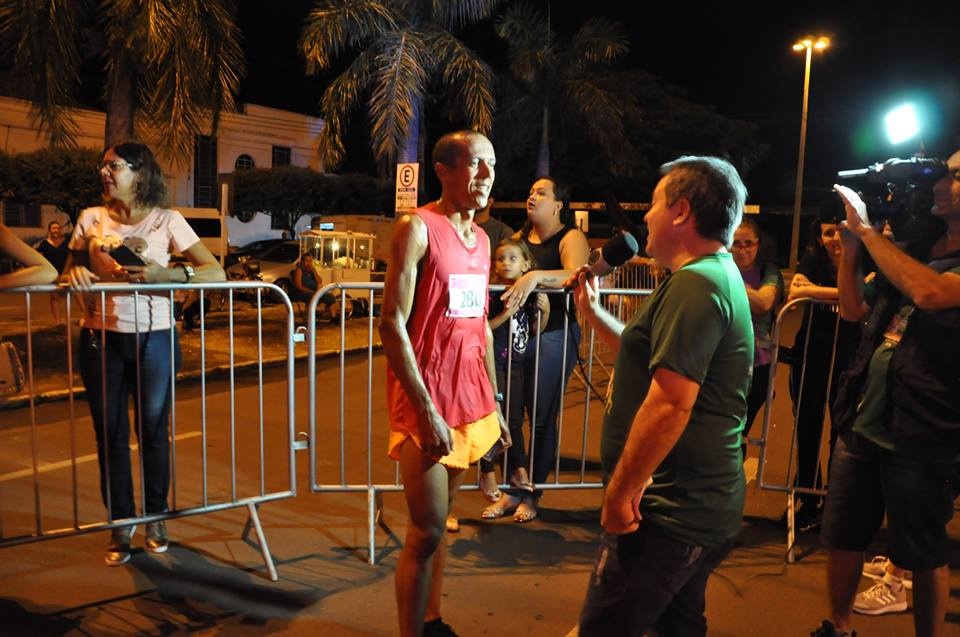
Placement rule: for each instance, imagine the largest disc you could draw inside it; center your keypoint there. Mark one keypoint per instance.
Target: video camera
(897, 189)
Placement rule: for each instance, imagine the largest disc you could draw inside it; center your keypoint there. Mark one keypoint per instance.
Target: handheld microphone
(611, 256)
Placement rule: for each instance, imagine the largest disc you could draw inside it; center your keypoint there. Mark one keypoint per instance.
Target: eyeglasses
(745, 245)
(115, 165)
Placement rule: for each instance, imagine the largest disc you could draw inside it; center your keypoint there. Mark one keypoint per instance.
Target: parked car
(272, 265)
(340, 256)
(250, 250)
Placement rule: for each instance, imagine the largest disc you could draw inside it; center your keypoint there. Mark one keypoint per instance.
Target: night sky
(736, 59)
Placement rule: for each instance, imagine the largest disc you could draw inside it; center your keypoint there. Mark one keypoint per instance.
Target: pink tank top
(448, 328)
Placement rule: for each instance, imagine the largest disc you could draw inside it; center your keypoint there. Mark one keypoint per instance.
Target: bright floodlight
(901, 124)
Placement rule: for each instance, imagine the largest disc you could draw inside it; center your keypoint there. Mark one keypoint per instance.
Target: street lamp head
(818, 43)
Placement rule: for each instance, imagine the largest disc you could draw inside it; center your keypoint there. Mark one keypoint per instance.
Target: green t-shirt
(697, 324)
(871, 422)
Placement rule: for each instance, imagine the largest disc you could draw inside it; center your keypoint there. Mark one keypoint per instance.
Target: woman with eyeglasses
(764, 285)
(128, 344)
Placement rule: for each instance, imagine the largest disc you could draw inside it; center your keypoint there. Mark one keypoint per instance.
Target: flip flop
(526, 512)
(506, 505)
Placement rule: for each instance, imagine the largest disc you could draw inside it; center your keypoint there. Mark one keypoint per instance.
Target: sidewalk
(50, 347)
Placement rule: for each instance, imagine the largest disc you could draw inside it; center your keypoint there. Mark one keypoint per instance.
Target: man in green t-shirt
(670, 446)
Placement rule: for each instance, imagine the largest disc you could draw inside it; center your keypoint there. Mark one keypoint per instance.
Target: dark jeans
(646, 582)
(111, 368)
(551, 378)
(755, 400)
(813, 407)
(514, 393)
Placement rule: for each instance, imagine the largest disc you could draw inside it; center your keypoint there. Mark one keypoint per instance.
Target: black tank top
(547, 256)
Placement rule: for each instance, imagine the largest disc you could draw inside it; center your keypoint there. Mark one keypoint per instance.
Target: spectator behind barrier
(764, 286)
(127, 347)
(559, 249)
(36, 270)
(816, 278)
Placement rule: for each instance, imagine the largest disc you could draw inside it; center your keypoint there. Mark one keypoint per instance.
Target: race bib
(468, 293)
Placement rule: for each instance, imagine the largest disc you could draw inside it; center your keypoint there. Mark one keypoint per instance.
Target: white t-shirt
(163, 231)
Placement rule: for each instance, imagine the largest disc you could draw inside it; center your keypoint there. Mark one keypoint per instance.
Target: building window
(244, 162)
(281, 155)
(205, 172)
(20, 215)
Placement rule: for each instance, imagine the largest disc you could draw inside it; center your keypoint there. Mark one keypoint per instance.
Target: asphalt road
(502, 578)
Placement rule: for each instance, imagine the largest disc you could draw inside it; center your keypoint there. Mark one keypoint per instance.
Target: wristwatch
(498, 397)
(188, 270)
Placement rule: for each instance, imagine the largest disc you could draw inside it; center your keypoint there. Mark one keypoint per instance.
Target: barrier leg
(791, 530)
(374, 513)
(253, 521)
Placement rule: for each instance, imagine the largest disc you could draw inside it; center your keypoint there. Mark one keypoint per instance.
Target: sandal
(487, 480)
(520, 480)
(506, 505)
(452, 524)
(526, 511)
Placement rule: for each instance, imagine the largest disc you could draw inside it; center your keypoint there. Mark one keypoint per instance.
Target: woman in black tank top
(559, 249)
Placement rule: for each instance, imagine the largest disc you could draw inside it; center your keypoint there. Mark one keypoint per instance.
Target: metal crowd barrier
(202, 481)
(786, 481)
(349, 431)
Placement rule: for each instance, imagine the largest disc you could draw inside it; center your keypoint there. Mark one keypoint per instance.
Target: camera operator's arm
(850, 278)
(928, 289)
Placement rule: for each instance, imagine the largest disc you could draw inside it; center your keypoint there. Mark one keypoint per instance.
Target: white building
(257, 136)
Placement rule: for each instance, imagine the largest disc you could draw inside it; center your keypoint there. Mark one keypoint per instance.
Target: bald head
(464, 162)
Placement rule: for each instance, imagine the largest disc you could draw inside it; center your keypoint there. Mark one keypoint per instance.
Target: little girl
(512, 260)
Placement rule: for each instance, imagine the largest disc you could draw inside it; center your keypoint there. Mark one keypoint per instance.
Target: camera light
(901, 124)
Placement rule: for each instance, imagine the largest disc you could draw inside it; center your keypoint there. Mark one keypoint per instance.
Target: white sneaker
(884, 597)
(877, 567)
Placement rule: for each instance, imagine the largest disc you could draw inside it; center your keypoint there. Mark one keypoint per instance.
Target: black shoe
(827, 629)
(808, 518)
(437, 628)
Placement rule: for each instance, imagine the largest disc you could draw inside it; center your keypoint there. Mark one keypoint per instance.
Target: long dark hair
(151, 186)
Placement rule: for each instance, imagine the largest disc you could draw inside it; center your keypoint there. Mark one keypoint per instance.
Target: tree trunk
(543, 154)
(120, 103)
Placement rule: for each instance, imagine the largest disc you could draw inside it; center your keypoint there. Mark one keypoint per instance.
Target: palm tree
(408, 56)
(171, 65)
(564, 85)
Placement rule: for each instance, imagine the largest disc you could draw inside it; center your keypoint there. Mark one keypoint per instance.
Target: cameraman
(897, 407)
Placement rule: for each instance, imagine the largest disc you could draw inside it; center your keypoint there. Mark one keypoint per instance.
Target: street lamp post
(808, 45)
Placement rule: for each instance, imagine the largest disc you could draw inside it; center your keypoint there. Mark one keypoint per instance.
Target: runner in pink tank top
(441, 379)
(448, 328)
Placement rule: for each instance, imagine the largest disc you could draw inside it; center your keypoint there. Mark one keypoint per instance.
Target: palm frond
(600, 41)
(462, 70)
(400, 78)
(339, 100)
(192, 68)
(335, 25)
(529, 43)
(41, 35)
(602, 111)
(457, 14)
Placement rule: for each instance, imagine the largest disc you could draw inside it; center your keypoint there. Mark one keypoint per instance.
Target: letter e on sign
(407, 178)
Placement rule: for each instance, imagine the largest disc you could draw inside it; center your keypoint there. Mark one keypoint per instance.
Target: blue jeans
(115, 362)
(552, 377)
(648, 582)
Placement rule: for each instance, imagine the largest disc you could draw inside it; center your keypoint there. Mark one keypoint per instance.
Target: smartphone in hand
(125, 256)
